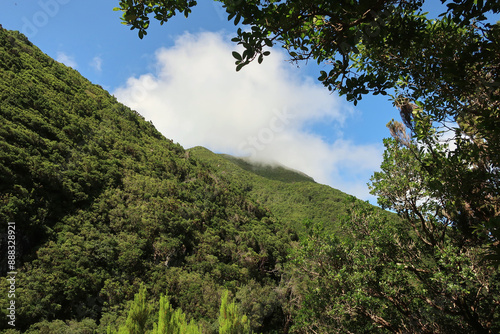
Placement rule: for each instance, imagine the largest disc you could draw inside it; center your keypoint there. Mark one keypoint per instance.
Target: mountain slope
(292, 196)
(272, 172)
(102, 202)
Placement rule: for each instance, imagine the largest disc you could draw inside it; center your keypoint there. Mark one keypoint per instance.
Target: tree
(389, 275)
(422, 274)
(138, 314)
(173, 322)
(230, 319)
(389, 46)
(450, 262)
(170, 321)
(331, 32)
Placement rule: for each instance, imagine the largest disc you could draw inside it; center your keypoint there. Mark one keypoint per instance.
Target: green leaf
(322, 76)
(237, 55)
(237, 19)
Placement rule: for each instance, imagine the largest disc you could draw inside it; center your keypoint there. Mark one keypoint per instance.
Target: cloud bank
(195, 97)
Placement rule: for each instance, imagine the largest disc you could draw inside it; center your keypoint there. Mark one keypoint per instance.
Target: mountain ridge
(294, 198)
(271, 170)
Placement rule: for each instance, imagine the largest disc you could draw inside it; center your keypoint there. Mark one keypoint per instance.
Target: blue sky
(182, 77)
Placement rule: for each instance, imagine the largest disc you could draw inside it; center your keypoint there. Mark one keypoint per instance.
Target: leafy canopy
(341, 34)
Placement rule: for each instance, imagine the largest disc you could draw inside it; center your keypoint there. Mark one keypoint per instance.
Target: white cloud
(96, 63)
(197, 98)
(66, 59)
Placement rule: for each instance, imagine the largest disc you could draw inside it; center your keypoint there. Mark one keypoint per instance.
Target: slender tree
(230, 319)
(138, 314)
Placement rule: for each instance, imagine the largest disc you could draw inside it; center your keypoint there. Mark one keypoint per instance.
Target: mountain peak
(269, 170)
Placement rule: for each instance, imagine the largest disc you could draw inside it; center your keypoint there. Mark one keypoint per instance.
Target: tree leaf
(237, 55)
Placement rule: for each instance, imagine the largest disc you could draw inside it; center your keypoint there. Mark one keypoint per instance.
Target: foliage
(271, 171)
(86, 326)
(421, 274)
(230, 319)
(291, 196)
(106, 207)
(172, 321)
(322, 30)
(381, 276)
(335, 33)
(137, 315)
(104, 203)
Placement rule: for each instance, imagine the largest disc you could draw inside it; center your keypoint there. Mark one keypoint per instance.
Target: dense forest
(120, 230)
(102, 202)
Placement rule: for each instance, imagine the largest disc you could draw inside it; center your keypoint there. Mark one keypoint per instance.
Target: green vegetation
(442, 74)
(230, 319)
(171, 321)
(104, 203)
(292, 196)
(106, 208)
(438, 271)
(271, 172)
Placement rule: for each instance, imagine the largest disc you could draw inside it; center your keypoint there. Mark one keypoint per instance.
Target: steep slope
(101, 202)
(292, 196)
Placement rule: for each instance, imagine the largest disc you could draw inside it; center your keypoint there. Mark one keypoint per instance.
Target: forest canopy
(103, 203)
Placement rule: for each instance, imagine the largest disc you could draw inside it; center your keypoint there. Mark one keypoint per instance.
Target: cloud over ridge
(195, 97)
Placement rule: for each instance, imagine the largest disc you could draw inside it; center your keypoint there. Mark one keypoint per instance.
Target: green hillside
(102, 203)
(292, 196)
(106, 226)
(270, 172)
